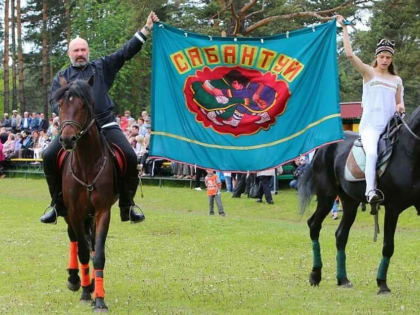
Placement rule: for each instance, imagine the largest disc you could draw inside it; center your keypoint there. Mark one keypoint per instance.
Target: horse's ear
(62, 81)
(91, 81)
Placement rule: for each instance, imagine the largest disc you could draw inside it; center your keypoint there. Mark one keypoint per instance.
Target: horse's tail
(306, 188)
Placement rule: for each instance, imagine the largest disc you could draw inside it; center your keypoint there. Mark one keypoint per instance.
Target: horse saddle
(354, 169)
(116, 152)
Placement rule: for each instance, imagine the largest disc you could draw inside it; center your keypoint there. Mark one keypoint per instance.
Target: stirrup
(55, 212)
(377, 197)
(139, 212)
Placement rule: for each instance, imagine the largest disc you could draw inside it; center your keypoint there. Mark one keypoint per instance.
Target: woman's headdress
(385, 45)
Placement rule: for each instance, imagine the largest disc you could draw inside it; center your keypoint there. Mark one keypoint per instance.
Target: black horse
(400, 184)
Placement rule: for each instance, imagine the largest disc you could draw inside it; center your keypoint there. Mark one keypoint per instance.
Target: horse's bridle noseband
(82, 129)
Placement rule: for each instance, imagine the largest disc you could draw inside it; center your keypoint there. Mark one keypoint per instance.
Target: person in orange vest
(214, 185)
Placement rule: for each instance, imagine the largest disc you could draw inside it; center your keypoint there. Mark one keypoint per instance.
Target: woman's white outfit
(379, 106)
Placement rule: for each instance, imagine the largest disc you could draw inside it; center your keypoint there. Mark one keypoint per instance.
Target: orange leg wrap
(84, 268)
(73, 262)
(99, 285)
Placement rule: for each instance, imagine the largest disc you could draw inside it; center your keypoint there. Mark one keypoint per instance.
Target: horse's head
(75, 103)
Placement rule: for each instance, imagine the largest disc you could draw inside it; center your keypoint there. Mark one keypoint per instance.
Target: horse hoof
(313, 282)
(99, 306)
(315, 278)
(86, 297)
(73, 286)
(384, 291)
(383, 287)
(347, 285)
(344, 283)
(100, 310)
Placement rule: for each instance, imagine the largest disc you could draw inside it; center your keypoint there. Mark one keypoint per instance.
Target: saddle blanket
(354, 170)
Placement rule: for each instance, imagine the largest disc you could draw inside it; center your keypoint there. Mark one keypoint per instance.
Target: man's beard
(79, 64)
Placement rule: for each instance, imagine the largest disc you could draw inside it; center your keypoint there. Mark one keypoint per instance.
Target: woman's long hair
(391, 69)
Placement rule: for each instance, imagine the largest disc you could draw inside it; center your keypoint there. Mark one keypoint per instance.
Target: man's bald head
(78, 52)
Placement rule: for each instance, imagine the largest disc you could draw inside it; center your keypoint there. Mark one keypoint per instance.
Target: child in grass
(213, 185)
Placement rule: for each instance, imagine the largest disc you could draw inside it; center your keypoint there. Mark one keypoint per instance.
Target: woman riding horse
(382, 96)
(400, 182)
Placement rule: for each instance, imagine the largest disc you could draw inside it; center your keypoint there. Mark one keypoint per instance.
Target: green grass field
(256, 260)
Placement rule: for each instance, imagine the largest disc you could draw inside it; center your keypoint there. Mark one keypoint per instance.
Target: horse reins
(90, 187)
(83, 130)
(408, 128)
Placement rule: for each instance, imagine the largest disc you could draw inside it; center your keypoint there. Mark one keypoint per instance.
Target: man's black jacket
(104, 71)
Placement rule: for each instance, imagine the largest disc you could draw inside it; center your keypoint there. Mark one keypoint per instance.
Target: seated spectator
(123, 123)
(9, 146)
(301, 165)
(34, 124)
(43, 123)
(18, 145)
(53, 129)
(145, 115)
(132, 134)
(2, 161)
(144, 163)
(4, 134)
(16, 121)
(37, 145)
(140, 148)
(27, 144)
(142, 128)
(26, 121)
(6, 122)
(44, 141)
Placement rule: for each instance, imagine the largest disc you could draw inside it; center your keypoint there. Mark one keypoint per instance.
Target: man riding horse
(103, 71)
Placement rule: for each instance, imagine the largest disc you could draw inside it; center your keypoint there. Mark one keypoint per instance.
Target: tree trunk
(68, 22)
(45, 57)
(14, 59)
(21, 88)
(6, 57)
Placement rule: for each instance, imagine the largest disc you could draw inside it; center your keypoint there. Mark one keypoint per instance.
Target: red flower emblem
(235, 100)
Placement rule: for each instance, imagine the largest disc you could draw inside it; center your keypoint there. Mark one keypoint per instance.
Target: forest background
(34, 45)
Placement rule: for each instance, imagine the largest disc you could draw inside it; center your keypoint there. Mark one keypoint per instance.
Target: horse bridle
(408, 128)
(83, 129)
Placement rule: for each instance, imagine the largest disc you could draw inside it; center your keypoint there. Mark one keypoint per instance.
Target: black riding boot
(57, 205)
(127, 205)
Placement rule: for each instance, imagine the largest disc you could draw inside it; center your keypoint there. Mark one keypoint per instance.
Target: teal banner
(243, 104)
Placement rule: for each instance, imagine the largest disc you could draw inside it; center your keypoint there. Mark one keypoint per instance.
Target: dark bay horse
(89, 188)
(400, 184)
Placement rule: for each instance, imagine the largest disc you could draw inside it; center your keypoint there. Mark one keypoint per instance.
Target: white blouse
(378, 102)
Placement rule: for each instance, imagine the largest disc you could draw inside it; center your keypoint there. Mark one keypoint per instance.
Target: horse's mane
(78, 88)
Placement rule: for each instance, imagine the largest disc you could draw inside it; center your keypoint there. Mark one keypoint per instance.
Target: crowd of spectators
(28, 136)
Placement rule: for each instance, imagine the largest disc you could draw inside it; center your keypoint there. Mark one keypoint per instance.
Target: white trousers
(370, 138)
